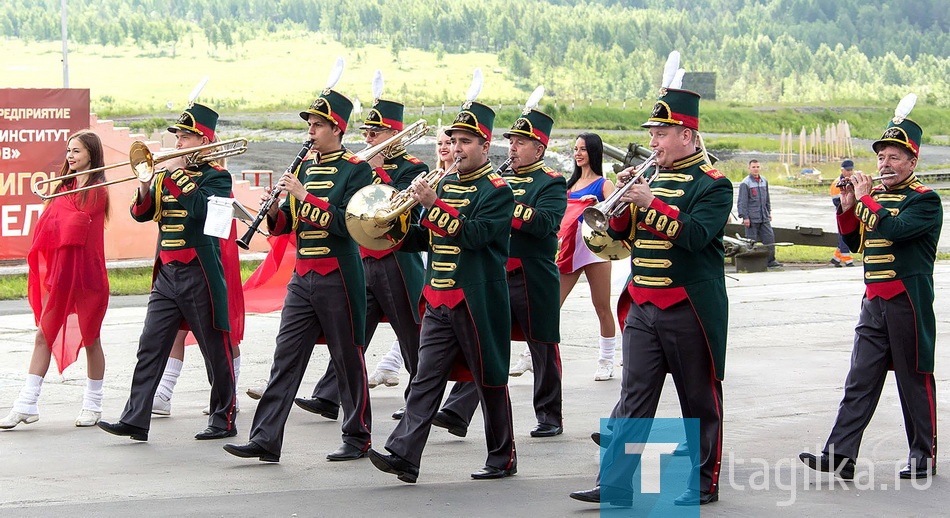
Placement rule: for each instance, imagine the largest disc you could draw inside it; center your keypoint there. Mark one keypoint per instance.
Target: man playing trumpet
(466, 325)
(674, 310)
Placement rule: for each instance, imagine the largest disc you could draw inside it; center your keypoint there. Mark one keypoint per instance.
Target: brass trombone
(391, 146)
(143, 161)
(377, 216)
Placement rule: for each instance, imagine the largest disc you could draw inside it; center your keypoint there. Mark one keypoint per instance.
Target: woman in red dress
(67, 284)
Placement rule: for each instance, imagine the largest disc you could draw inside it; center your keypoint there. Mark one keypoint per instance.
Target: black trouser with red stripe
(385, 295)
(657, 341)
(546, 364)
(180, 293)
(886, 335)
(448, 336)
(315, 305)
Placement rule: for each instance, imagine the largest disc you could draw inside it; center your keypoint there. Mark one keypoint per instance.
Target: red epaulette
(352, 158)
(711, 171)
(551, 172)
(216, 166)
(411, 159)
(921, 188)
(497, 180)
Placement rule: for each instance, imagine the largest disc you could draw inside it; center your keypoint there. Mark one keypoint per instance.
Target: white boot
(524, 364)
(162, 401)
(384, 377)
(24, 408)
(14, 418)
(605, 370)
(91, 404)
(605, 366)
(88, 418)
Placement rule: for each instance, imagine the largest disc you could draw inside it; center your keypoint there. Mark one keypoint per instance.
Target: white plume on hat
(476, 87)
(533, 99)
(904, 108)
(335, 73)
(197, 91)
(378, 85)
(672, 66)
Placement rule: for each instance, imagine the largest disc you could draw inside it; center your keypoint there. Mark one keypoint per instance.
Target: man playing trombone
(188, 290)
(393, 278)
(675, 306)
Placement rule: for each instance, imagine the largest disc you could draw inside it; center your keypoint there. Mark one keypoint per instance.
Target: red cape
(67, 284)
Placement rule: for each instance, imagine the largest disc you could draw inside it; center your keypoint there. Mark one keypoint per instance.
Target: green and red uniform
(897, 229)
(674, 312)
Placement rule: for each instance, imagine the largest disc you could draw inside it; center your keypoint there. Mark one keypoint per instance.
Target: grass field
(283, 71)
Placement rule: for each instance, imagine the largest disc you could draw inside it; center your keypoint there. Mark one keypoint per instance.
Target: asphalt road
(789, 349)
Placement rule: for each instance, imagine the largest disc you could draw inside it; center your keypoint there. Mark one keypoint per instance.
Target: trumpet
(143, 161)
(844, 182)
(393, 145)
(245, 241)
(598, 216)
(377, 216)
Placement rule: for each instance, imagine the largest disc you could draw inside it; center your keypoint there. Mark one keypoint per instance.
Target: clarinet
(245, 241)
(504, 166)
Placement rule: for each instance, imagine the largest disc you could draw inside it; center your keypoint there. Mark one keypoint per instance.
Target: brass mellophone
(377, 216)
(844, 182)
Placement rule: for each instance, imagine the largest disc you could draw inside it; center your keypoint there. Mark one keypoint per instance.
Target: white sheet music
(220, 213)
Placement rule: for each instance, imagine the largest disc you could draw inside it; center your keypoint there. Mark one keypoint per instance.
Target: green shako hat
(901, 130)
(533, 124)
(331, 105)
(674, 106)
(197, 119)
(474, 117)
(384, 115)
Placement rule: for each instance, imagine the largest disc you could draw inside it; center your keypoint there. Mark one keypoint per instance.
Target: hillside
(762, 51)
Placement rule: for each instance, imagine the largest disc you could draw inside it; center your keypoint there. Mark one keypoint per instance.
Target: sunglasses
(371, 133)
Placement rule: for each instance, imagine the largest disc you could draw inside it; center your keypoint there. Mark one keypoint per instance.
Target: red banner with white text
(34, 126)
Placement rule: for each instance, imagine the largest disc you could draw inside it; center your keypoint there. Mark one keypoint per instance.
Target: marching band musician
(189, 286)
(466, 324)
(326, 297)
(675, 308)
(393, 278)
(896, 225)
(533, 280)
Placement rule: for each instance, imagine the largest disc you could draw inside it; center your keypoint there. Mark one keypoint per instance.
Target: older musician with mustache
(896, 225)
